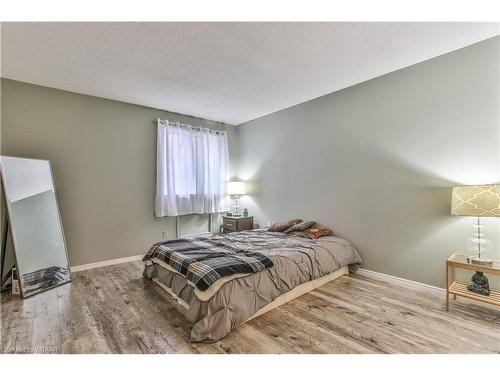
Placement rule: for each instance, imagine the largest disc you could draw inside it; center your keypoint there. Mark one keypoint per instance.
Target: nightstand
(458, 288)
(236, 223)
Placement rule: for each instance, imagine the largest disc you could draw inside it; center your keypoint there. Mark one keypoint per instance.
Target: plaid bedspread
(205, 260)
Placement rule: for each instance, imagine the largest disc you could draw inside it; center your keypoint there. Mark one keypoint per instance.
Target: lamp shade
(236, 188)
(476, 200)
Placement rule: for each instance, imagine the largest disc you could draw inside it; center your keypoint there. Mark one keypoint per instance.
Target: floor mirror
(34, 224)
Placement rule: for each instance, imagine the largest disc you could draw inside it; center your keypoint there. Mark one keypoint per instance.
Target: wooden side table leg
(447, 289)
(453, 279)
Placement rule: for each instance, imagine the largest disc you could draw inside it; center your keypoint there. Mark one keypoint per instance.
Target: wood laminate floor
(114, 310)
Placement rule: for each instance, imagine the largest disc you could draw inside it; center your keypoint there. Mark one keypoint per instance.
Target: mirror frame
(13, 237)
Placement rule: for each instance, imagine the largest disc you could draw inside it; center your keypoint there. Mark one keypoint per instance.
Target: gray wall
(375, 162)
(103, 157)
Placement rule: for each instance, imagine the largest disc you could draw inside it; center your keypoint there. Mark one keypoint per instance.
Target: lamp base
(474, 259)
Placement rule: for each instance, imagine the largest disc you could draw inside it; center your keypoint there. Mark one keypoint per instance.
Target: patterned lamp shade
(476, 200)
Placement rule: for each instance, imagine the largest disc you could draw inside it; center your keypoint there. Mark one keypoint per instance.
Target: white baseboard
(197, 234)
(366, 272)
(105, 263)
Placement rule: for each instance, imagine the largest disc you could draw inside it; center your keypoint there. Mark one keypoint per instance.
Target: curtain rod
(193, 126)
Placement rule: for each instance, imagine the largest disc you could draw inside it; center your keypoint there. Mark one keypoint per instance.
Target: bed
(216, 305)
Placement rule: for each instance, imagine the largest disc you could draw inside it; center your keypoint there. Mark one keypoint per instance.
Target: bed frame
(298, 291)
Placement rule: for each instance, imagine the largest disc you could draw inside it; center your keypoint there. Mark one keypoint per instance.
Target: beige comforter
(235, 299)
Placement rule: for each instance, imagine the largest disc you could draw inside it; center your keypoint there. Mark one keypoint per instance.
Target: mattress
(297, 263)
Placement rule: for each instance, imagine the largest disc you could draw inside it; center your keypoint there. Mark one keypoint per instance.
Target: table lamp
(236, 188)
(477, 201)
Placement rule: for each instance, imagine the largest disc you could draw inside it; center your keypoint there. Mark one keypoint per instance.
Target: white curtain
(192, 170)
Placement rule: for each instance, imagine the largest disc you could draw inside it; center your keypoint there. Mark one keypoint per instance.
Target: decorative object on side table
(245, 212)
(479, 284)
(477, 201)
(236, 188)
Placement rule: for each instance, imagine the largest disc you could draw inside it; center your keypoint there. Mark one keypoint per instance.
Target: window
(192, 170)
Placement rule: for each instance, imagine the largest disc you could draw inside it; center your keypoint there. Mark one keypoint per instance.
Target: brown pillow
(300, 226)
(313, 233)
(284, 225)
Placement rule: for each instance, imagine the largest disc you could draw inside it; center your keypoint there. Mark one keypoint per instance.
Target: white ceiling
(230, 72)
